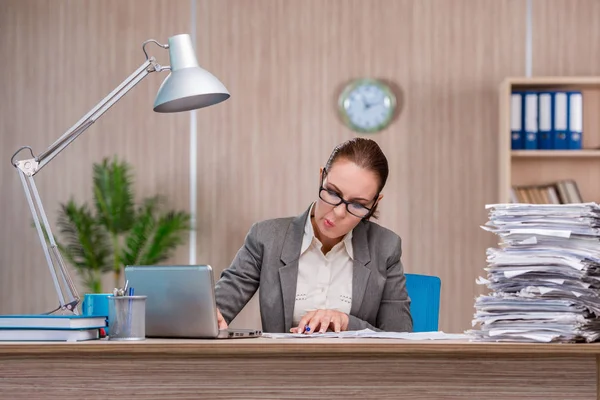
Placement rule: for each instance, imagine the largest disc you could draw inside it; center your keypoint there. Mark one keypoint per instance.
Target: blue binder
(575, 118)
(545, 120)
(561, 120)
(530, 120)
(516, 121)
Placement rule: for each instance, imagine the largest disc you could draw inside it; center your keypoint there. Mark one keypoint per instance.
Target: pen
(129, 312)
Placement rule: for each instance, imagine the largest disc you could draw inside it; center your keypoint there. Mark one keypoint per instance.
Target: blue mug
(96, 305)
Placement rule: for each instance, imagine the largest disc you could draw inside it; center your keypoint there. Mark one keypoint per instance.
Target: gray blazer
(269, 259)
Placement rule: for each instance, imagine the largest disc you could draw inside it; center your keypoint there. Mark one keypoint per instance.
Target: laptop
(180, 302)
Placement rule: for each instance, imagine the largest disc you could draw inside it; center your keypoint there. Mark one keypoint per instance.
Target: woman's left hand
(321, 320)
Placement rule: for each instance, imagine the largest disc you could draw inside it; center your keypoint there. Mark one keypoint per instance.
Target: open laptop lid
(180, 299)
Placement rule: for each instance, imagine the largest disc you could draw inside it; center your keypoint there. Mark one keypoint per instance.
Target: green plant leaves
(138, 237)
(154, 235)
(118, 233)
(113, 195)
(86, 245)
(167, 235)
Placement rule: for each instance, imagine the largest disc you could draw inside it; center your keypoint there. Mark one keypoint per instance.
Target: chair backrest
(424, 292)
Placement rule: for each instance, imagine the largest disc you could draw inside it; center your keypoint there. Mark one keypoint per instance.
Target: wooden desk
(298, 369)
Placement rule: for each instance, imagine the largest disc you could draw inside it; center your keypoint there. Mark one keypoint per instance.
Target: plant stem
(116, 258)
(96, 283)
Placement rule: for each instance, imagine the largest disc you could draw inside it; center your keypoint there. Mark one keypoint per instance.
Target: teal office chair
(424, 292)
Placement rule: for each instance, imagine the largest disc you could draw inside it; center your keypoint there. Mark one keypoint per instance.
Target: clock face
(367, 105)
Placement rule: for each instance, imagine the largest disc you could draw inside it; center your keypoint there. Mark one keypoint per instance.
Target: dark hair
(365, 153)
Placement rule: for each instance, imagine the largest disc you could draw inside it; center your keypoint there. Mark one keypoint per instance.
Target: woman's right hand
(221, 320)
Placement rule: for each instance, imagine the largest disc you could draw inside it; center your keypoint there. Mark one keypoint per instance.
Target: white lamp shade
(188, 86)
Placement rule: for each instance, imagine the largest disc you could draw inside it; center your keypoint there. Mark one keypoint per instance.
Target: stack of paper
(544, 277)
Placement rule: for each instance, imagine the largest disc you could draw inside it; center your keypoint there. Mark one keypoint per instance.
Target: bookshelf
(545, 167)
(555, 153)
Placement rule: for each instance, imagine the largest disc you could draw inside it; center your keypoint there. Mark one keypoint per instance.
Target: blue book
(530, 120)
(561, 117)
(516, 121)
(70, 335)
(545, 125)
(575, 127)
(32, 321)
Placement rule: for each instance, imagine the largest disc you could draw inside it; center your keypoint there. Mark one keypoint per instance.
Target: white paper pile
(545, 276)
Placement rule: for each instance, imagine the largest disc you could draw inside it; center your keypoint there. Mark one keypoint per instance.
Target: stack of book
(544, 278)
(68, 328)
(562, 192)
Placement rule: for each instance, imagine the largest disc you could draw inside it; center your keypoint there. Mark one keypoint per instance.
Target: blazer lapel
(360, 272)
(288, 273)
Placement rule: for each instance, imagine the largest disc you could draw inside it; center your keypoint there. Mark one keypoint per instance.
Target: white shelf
(555, 153)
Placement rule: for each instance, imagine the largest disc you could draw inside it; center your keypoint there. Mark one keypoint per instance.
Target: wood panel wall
(61, 58)
(259, 153)
(565, 37)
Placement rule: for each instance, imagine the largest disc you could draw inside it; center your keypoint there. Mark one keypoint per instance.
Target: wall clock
(367, 105)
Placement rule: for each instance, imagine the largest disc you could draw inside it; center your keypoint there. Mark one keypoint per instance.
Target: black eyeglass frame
(347, 203)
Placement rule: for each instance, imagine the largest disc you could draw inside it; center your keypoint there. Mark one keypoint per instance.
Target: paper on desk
(439, 335)
(368, 333)
(548, 232)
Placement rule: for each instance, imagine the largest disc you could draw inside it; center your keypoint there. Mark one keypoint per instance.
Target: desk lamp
(187, 87)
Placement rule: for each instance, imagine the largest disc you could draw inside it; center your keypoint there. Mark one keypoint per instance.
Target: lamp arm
(29, 167)
(56, 265)
(32, 166)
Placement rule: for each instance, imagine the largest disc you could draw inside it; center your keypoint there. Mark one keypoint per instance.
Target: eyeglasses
(332, 198)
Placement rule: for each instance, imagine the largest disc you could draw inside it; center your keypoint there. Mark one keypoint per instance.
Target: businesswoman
(329, 268)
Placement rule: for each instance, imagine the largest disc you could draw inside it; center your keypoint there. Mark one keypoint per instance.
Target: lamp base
(68, 309)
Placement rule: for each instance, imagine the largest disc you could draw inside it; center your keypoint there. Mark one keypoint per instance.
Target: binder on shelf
(530, 120)
(561, 117)
(545, 120)
(575, 118)
(516, 121)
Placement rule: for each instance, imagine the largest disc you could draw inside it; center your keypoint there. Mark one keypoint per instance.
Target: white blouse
(324, 281)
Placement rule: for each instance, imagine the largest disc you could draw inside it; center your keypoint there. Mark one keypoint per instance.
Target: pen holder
(127, 316)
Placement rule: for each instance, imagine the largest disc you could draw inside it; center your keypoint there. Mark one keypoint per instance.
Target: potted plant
(115, 232)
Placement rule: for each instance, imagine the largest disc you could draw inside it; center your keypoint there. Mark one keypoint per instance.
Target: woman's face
(351, 183)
